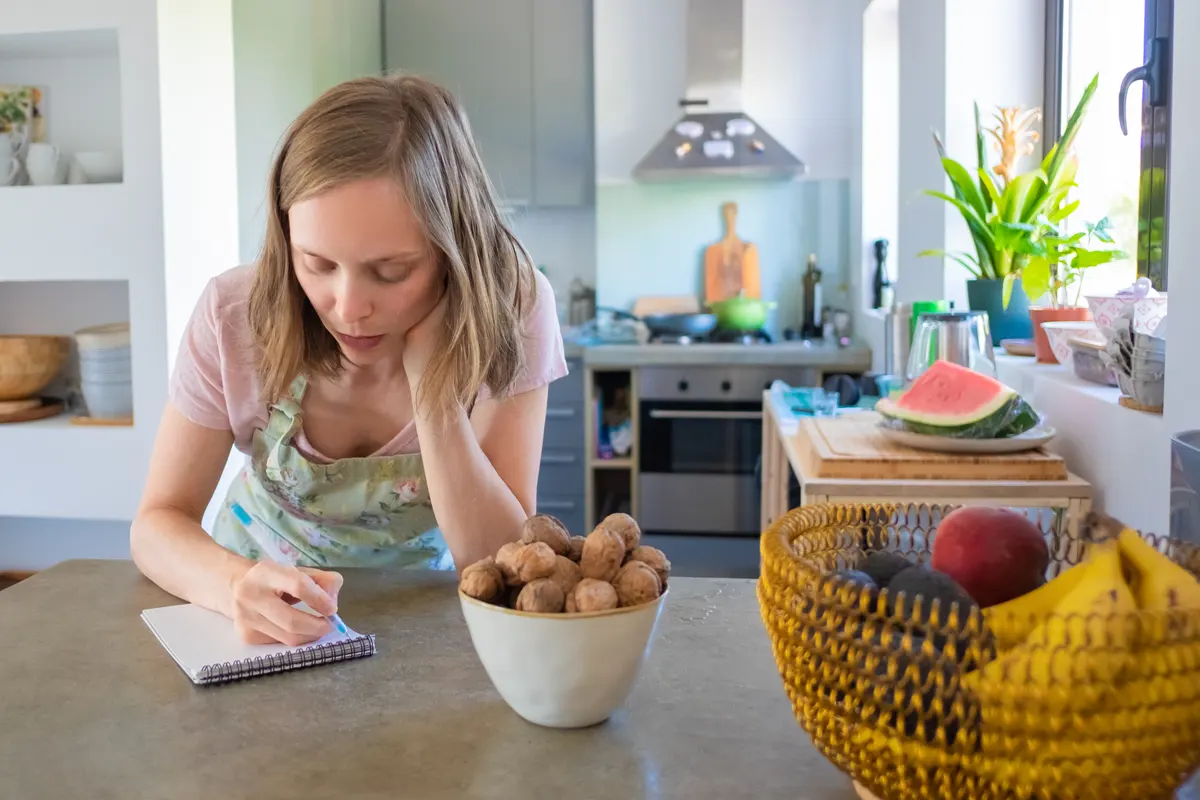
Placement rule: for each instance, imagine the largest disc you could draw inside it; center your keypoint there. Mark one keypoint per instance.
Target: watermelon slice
(951, 400)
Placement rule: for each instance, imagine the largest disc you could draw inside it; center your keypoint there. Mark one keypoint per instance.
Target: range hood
(715, 137)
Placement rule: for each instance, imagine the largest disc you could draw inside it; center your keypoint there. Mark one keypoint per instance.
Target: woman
(383, 364)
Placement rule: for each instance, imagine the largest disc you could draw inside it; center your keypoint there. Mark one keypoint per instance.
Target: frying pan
(670, 324)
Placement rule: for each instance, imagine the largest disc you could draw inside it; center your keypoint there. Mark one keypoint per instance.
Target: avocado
(883, 565)
(930, 585)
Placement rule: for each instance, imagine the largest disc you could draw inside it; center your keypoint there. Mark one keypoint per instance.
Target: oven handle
(660, 413)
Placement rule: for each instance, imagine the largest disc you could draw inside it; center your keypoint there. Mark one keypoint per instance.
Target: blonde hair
(413, 130)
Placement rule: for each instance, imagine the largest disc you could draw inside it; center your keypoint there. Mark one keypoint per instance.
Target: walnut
(624, 526)
(511, 593)
(569, 602)
(545, 528)
(592, 595)
(566, 573)
(576, 545)
(483, 581)
(541, 596)
(506, 560)
(636, 583)
(655, 559)
(534, 561)
(603, 553)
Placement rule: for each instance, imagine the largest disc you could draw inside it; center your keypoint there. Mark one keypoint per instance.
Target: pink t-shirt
(215, 384)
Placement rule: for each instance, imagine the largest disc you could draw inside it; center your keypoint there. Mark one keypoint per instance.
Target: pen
(261, 534)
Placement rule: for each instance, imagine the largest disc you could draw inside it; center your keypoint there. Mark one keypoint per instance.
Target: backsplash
(650, 238)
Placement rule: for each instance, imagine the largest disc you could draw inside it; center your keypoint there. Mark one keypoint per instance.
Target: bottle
(883, 295)
(812, 300)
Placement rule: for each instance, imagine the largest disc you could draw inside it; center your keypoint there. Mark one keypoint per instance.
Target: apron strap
(285, 421)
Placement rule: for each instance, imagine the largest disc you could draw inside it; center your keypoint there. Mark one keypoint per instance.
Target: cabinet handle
(558, 458)
(560, 413)
(556, 505)
(659, 413)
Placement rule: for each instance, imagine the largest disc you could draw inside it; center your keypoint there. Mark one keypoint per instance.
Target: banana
(1158, 582)
(1086, 640)
(1012, 622)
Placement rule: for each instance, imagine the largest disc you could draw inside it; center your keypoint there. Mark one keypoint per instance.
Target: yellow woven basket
(889, 688)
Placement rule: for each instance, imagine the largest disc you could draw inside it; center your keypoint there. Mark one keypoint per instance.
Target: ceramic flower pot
(1040, 314)
(1005, 323)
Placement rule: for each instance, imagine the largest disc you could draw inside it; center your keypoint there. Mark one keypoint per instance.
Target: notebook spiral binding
(311, 656)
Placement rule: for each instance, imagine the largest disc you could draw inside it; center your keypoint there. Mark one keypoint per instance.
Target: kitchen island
(93, 706)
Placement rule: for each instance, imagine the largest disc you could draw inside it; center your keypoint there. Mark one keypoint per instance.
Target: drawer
(561, 472)
(568, 390)
(564, 427)
(568, 509)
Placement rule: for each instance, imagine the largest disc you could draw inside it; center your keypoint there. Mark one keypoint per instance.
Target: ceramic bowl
(101, 166)
(562, 670)
(1148, 312)
(1060, 335)
(103, 338)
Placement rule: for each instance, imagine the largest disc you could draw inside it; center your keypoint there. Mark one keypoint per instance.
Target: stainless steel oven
(699, 447)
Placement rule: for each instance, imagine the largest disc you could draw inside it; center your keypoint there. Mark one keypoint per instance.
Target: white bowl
(103, 337)
(562, 670)
(101, 166)
(1060, 335)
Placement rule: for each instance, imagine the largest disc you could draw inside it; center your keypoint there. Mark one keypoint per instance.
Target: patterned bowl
(1147, 312)
(1060, 335)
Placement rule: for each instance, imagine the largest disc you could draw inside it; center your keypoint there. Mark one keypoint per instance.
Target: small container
(1089, 364)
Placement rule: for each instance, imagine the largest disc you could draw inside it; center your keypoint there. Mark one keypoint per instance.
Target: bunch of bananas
(1094, 678)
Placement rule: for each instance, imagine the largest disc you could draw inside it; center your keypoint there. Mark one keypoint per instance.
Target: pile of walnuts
(549, 571)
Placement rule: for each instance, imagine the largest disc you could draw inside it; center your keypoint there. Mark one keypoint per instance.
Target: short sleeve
(197, 385)
(545, 360)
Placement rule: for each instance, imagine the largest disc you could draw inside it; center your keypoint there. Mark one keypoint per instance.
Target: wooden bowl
(29, 363)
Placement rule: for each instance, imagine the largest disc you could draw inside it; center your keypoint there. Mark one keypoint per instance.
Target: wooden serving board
(852, 447)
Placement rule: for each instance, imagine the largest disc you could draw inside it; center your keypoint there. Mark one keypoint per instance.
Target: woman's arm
(169, 546)
(482, 472)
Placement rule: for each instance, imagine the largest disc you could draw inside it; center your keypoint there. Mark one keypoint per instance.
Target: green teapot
(741, 313)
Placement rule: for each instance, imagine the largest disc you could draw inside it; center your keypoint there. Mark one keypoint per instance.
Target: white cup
(45, 164)
(9, 164)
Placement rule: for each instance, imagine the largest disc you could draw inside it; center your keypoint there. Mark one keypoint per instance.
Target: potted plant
(1058, 265)
(1005, 213)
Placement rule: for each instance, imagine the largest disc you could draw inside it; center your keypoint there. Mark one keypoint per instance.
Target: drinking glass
(960, 337)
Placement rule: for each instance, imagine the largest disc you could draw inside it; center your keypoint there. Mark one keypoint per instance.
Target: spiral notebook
(207, 647)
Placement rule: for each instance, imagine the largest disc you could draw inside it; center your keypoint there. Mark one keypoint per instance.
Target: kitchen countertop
(855, 358)
(94, 707)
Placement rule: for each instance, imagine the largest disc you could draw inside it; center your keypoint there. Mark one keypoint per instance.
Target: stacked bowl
(106, 370)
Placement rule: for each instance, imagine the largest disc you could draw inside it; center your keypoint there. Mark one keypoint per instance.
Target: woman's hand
(423, 339)
(263, 598)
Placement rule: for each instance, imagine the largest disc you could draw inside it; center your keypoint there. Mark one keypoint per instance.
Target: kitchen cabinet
(561, 482)
(522, 70)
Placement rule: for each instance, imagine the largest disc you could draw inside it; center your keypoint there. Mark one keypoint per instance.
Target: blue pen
(261, 534)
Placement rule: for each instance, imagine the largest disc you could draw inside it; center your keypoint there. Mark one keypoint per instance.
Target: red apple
(994, 553)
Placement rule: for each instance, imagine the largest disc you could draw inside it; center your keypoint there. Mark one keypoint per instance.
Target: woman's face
(362, 259)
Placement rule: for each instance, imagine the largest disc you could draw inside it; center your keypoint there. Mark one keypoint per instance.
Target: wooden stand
(911, 476)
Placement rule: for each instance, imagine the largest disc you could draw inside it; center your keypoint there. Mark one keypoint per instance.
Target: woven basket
(893, 698)
(29, 363)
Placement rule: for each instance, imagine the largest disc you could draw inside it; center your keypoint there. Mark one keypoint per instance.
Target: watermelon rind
(988, 422)
(1024, 419)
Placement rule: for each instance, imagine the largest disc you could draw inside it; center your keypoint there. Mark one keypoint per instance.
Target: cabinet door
(481, 51)
(563, 167)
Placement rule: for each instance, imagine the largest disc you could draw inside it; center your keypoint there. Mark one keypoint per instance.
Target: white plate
(1029, 440)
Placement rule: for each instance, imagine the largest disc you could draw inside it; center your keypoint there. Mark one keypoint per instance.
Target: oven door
(697, 465)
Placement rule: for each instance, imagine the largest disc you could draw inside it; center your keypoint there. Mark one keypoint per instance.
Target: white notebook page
(197, 638)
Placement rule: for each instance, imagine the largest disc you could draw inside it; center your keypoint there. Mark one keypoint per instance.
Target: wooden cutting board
(852, 447)
(731, 265)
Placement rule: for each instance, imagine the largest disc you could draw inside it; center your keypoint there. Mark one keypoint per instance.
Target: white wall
(285, 53)
(1182, 409)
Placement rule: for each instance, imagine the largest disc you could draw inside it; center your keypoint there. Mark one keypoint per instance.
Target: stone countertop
(855, 358)
(93, 706)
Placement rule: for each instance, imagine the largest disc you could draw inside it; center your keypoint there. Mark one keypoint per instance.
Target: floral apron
(354, 512)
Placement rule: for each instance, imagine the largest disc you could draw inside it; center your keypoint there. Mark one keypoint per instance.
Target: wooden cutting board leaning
(731, 265)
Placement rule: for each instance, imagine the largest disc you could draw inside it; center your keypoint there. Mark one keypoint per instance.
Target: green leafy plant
(1008, 216)
(12, 107)
(1062, 258)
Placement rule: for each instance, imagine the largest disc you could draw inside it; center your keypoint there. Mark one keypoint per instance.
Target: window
(1122, 177)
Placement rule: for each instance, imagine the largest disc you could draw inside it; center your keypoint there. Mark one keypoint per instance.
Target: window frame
(1155, 143)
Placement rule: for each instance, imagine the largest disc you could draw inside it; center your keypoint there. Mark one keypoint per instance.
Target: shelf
(611, 463)
(101, 43)
(84, 232)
